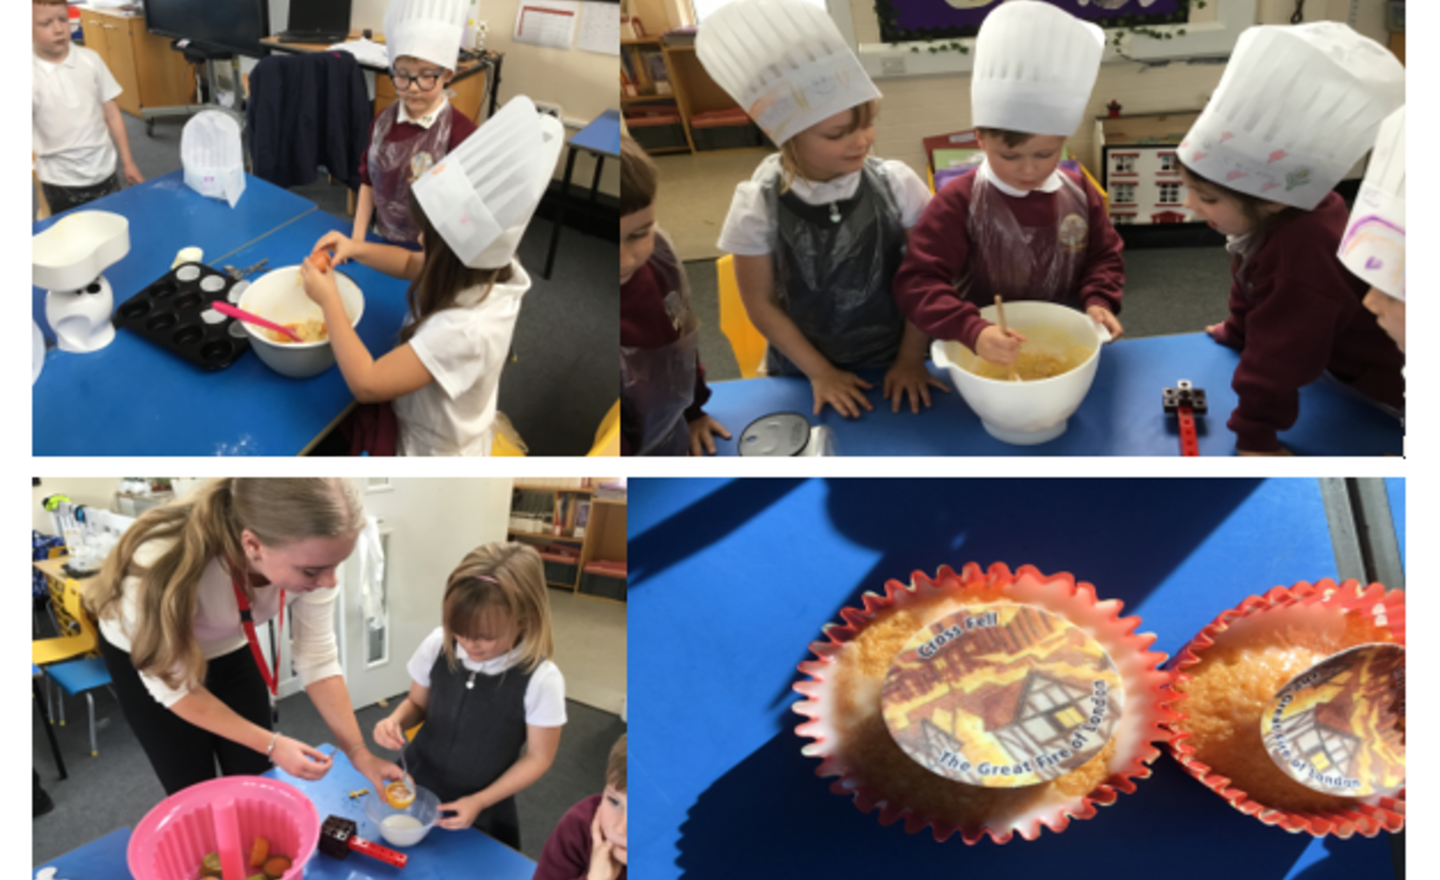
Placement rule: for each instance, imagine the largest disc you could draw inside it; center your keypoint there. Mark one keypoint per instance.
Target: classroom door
(426, 527)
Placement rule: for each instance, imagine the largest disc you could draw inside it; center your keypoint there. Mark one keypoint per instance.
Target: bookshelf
(573, 529)
(691, 91)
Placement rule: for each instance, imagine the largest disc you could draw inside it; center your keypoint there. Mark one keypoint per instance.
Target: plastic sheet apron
(657, 385)
(833, 278)
(394, 166)
(1026, 262)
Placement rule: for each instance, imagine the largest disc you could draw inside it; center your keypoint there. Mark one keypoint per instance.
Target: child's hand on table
(602, 859)
(132, 173)
(345, 249)
(998, 348)
(843, 390)
(299, 760)
(389, 735)
(465, 810)
(908, 376)
(702, 441)
(1106, 318)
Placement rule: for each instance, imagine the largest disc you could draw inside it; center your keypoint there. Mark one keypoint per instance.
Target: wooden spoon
(1000, 310)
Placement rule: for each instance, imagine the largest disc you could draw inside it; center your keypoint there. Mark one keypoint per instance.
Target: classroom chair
(607, 436)
(745, 340)
(81, 677)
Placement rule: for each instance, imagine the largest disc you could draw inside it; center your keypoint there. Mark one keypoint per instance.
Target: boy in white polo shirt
(76, 125)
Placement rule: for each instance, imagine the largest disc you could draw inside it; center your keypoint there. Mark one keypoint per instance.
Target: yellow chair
(507, 442)
(410, 734)
(607, 436)
(747, 342)
(80, 638)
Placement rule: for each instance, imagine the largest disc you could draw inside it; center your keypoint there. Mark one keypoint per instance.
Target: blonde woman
(484, 687)
(178, 602)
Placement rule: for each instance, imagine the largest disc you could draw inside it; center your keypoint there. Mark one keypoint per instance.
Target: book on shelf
(582, 517)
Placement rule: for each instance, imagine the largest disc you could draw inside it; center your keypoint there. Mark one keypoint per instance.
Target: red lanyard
(247, 620)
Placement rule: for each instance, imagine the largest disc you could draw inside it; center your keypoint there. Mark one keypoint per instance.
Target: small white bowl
(277, 296)
(1036, 411)
(425, 809)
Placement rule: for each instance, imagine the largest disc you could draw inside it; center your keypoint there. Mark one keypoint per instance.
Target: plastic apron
(832, 277)
(1026, 262)
(393, 166)
(657, 385)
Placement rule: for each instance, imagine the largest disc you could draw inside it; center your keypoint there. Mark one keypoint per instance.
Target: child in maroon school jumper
(589, 841)
(662, 382)
(1018, 226)
(1260, 163)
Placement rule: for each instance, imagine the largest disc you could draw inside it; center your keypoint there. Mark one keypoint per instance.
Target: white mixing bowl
(1026, 413)
(277, 296)
(424, 810)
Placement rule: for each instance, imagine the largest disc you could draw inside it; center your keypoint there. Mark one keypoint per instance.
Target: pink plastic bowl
(224, 816)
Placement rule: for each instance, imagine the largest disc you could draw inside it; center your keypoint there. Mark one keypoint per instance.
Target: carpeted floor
(1167, 290)
(563, 378)
(117, 787)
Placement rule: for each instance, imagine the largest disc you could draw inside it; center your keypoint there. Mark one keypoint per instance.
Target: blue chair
(80, 677)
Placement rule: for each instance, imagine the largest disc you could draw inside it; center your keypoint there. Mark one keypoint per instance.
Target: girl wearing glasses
(413, 134)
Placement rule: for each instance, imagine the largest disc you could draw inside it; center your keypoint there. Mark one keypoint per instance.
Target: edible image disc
(188, 272)
(210, 316)
(212, 284)
(1002, 696)
(1339, 726)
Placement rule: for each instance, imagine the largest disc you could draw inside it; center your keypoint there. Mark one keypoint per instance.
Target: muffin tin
(175, 314)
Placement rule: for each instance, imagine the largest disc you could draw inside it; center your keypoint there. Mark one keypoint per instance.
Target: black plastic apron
(657, 385)
(832, 278)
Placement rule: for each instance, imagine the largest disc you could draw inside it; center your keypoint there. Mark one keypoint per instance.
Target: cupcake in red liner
(984, 703)
(1291, 707)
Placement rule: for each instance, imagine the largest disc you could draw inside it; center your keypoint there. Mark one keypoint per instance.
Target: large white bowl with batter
(278, 296)
(1035, 411)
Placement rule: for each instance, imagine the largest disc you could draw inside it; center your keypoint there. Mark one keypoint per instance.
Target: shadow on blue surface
(770, 816)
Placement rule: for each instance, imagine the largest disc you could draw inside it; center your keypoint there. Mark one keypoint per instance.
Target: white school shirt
(403, 115)
(68, 134)
(750, 230)
(544, 695)
(217, 622)
(464, 348)
(985, 173)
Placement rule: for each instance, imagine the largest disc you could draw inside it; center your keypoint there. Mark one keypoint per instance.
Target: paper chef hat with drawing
(784, 61)
(1374, 243)
(430, 30)
(212, 157)
(1035, 67)
(481, 196)
(1296, 108)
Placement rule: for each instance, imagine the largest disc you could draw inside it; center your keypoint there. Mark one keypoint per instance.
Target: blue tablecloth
(166, 215)
(731, 580)
(100, 859)
(1122, 414)
(442, 855)
(133, 398)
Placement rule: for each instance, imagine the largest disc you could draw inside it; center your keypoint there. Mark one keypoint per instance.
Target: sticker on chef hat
(1339, 726)
(1002, 696)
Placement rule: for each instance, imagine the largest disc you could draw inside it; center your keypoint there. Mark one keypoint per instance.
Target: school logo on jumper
(419, 164)
(1074, 232)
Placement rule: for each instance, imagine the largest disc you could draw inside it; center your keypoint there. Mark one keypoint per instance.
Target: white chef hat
(1374, 243)
(212, 156)
(1297, 107)
(481, 196)
(1035, 67)
(784, 61)
(430, 30)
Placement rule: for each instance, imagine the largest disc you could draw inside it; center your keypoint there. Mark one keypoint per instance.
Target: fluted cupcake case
(1369, 816)
(1134, 736)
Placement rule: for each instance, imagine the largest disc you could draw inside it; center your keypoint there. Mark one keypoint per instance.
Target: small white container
(1036, 411)
(278, 296)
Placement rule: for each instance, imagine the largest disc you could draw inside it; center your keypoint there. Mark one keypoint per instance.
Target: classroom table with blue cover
(166, 215)
(600, 138)
(1122, 414)
(442, 855)
(731, 580)
(133, 398)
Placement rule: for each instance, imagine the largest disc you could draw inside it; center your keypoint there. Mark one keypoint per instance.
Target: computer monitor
(319, 16)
